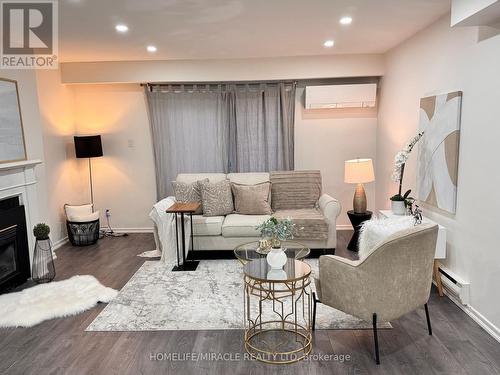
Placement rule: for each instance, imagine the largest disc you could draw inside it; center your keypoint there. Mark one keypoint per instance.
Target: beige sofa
(226, 232)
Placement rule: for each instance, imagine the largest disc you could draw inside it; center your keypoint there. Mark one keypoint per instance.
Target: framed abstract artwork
(437, 173)
(12, 147)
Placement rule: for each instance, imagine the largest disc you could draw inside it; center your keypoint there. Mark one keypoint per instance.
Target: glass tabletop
(250, 251)
(293, 270)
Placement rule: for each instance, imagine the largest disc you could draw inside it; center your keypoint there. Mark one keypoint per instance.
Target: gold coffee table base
(297, 334)
(277, 312)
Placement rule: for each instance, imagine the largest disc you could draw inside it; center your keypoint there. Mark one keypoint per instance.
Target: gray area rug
(157, 299)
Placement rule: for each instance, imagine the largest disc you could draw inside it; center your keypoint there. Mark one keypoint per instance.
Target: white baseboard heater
(455, 286)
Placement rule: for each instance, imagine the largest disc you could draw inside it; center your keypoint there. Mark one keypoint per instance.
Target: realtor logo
(29, 34)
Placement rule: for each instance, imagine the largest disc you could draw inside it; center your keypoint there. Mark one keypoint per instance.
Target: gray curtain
(262, 127)
(220, 128)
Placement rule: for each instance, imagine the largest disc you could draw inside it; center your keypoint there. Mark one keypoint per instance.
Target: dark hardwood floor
(61, 346)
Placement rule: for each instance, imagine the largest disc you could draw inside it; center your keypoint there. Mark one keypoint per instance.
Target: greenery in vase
(278, 230)
(41, 231)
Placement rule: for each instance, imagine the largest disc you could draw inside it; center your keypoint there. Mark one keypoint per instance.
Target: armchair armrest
(330, 208)
(343, 284)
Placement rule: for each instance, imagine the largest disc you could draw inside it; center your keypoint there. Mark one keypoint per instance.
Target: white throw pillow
(81, 213)
(377, 230)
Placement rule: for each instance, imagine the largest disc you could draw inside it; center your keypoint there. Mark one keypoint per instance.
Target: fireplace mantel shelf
(20, 164)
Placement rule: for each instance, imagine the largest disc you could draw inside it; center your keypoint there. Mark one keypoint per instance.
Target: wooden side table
(357, 220)
(182, 209)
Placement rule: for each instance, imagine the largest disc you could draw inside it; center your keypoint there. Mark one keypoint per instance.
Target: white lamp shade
(358, 171)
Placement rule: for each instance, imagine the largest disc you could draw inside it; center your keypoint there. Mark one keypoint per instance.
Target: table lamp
(88, 147)
(359, 171)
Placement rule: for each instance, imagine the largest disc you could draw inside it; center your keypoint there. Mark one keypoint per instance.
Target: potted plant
(276, 230)
(43, 269)
(398, 205)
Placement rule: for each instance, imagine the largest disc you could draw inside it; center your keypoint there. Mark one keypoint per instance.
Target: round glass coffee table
(248, 251)
(277, 311)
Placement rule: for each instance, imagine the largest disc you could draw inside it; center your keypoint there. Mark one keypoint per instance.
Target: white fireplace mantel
(18, 179)
(20, 164)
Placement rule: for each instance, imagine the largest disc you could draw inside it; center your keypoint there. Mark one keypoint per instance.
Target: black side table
(357, 220)
(184, 208)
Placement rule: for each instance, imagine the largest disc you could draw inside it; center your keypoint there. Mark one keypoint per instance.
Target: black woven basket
(83, 234)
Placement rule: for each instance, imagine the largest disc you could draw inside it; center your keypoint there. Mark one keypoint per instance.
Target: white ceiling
(204, 29)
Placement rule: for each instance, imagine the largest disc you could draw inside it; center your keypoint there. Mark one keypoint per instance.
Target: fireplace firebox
(14, 248)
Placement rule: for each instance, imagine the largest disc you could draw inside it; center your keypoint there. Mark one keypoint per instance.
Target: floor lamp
(89, 147)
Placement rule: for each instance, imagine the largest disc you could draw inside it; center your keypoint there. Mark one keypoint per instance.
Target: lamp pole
(91, 187)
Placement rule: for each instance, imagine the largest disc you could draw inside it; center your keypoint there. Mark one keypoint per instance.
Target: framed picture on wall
(439, 150)
(12, 147)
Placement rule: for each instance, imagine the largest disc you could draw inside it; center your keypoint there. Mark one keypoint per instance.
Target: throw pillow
(188, 192)
(216, 198)
(252, 199)
(374, 231)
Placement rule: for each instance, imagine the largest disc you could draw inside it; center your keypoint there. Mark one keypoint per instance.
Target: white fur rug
(53, 300)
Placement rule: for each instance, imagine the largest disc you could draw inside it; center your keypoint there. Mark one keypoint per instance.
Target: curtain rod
(213, 83)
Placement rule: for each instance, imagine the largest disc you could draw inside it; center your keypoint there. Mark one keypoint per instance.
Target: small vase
(398, 207)
(276, 274)
(43, 270)
(276, 258)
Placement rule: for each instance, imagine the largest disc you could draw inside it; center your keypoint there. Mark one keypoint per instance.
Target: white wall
(124, 178)
(258, 69)
(440, 59)
(324, 139)
(64, 177)
(28, 101)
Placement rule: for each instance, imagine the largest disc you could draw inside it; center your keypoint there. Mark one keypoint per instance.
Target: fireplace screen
(8, 264)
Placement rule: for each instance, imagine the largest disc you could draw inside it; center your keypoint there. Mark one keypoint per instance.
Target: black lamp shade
(88, 146)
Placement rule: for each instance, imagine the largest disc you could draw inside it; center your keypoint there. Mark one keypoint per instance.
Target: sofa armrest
(330, 208)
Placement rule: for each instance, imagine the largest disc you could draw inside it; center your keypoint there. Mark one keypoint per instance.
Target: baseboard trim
(132, 230)
(479, 318)
(56, 245)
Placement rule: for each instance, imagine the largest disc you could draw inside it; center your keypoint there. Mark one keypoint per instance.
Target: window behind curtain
(223, 128)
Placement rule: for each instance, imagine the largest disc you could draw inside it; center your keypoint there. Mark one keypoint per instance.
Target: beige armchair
(392, 280)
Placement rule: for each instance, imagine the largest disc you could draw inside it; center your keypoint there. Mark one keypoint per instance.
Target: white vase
(276, 274)
(276, 258)
(398, 207)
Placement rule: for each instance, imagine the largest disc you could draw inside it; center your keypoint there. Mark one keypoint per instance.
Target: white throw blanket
(164, 230)
(53, 300)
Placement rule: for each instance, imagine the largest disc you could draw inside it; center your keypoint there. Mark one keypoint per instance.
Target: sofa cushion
(188, 192)
(236, 225)
(216, 198)
(207, 226)
(189, 178)
(295, 189)
(310, 222)
(248, 178)
(252, 199)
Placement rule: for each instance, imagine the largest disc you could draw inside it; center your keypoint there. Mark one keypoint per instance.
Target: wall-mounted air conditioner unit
(341, 96)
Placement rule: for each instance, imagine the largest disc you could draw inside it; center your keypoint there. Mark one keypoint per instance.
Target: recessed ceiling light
(329, 43)
(121, 28)
(151, 49)
(346, 20)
